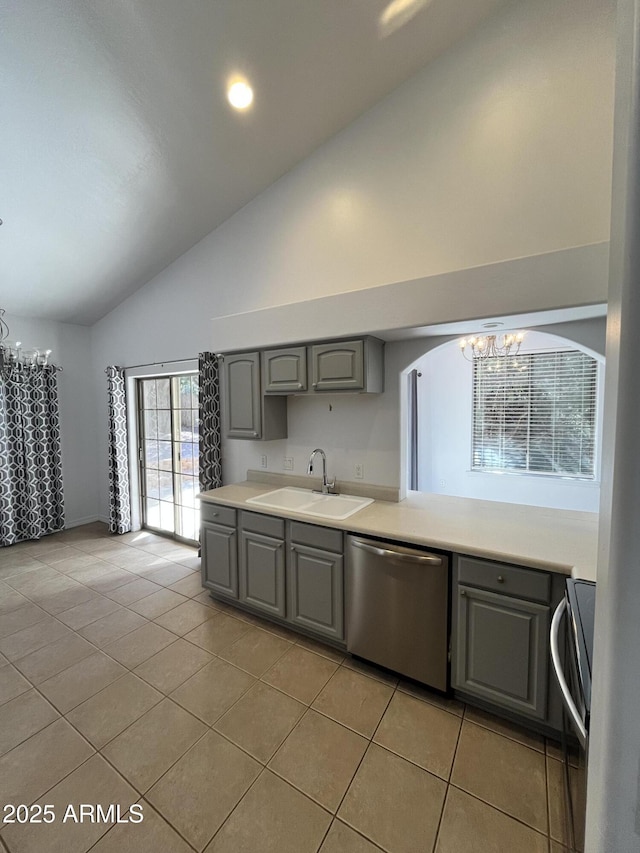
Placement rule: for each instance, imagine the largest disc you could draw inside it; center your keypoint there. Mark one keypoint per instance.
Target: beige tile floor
(122, 682)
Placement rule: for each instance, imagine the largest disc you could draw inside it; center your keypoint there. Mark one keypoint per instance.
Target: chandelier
(488, 346)
(13, 353)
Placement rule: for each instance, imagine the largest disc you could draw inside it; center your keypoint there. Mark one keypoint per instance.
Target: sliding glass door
(169, 454)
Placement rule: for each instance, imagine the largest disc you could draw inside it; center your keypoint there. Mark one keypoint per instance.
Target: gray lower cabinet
(502, 650)
(500, 636)
(219, 563)
(262, 563)
(316, 590)
(291, 571)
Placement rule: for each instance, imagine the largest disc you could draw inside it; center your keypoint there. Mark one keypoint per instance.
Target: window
(535, 413)
(169, 454)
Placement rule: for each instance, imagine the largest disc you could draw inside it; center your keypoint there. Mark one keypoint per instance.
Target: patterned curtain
(31, 494)
(210, 436)
(119, 496)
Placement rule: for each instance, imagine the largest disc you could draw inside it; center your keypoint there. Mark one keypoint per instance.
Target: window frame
(176, 459)
(593, 478)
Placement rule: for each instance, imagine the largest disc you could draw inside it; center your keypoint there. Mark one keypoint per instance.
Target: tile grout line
(498, 809)
(76, 631)
(363, 756)
(257, 679)
(448, 780)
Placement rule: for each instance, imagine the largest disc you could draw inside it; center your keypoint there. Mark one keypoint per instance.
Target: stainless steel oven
(572, 654)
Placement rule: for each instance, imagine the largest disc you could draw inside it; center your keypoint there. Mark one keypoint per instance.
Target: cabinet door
(285, 370)
(262, 572)
(338, 366)
(242, 395)
(219, 563)
(501, 650)
(315, 590)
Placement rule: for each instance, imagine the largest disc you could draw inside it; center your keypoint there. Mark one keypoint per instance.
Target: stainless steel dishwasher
(397, 608)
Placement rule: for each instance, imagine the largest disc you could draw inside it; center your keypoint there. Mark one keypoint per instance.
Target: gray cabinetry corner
(248, 414)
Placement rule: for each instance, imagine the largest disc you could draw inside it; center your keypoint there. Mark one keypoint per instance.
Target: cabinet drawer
(316, 536)
(505, 579)
(268, 525)
(217, 514)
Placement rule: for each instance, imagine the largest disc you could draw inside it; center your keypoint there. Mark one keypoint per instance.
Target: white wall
(445, 418)
(613, 787)
(351, 428)
(500, 149)
(71, 350)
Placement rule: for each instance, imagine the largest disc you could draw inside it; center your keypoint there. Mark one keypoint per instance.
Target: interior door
(169, 454)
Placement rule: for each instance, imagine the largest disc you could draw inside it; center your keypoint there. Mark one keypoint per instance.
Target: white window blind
(535, 412)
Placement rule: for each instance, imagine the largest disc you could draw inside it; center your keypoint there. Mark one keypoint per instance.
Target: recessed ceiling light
(398, 13)
(240, 94)
(492, 325)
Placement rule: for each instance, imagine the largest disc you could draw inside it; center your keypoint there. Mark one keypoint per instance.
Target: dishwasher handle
(401, 554)
(562, 682)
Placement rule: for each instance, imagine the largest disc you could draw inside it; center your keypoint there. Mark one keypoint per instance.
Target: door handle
(401, 556)
(557, 666)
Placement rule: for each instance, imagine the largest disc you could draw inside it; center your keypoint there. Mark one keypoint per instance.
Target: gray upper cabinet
(247, 412)
(218, 539)
(347, 366)
(262, 563)
(285, 370)
(315, 580)
(256, 384)
(501, 641)
(339, 366)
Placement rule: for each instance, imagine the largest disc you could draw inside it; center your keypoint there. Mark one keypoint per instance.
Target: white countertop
(563, 541)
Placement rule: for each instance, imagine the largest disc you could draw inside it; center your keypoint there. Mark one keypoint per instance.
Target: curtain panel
(119, 494)
(31, 489)
(210, 432)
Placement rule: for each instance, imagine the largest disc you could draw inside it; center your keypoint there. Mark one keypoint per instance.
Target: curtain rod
(157, 363)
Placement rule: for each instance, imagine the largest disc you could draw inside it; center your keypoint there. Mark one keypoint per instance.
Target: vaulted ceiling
(120, 151)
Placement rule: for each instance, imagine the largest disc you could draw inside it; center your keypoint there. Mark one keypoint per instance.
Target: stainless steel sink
(310, 503)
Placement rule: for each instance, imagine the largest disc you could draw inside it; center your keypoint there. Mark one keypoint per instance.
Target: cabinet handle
(500, 579)
(462, 592)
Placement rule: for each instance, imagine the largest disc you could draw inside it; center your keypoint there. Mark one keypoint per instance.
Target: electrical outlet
(443, 483)
(358, 471)
(263, 460)
(288, 463)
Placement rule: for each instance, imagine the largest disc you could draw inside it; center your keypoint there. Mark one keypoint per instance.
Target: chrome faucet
(328, 486)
